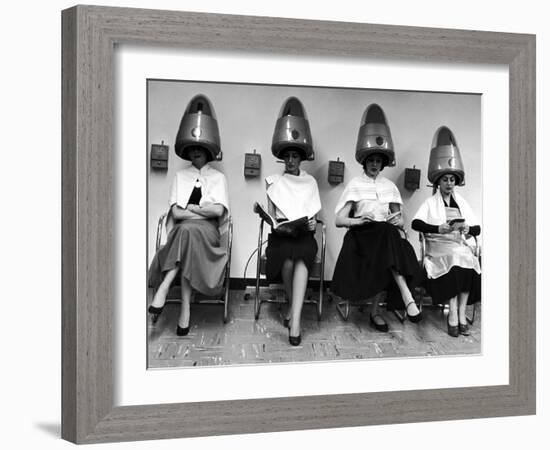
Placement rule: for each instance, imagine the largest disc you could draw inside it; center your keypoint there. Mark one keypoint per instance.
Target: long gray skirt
(194, 247)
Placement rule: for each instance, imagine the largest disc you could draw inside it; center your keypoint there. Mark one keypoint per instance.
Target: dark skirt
(454, 282)
(194, 247)
(280, 248)
(365, 263)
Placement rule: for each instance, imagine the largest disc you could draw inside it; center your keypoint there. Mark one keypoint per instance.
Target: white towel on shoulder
(294, 195)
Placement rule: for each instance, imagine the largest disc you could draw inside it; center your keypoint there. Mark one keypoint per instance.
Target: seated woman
(199, 209)
(374, 257)
(292, 195)
(453, 270)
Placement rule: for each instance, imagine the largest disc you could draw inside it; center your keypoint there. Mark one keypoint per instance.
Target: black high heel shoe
(414, 319)
(294, 340)
(463, 329)
(155, 312)
(182, 331)
(286, 323)
(452, 330)
(383, 327)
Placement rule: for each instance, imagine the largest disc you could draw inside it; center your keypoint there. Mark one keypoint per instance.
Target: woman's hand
(397, 221)
(179, 213)
(464, 228)
(343, 218)
(311, 224)
(361, 220)
(208, 211)
(445, 228)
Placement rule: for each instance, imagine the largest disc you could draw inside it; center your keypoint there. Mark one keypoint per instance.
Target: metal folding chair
(476, 249)
(344, 305)
(317, 272)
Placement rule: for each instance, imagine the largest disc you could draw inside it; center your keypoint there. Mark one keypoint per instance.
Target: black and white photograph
(303, 223)
(275, 225)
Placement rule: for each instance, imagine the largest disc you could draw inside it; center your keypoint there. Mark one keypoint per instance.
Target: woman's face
(292, 159)
(447, 184)
(198, 157)
(373, 165)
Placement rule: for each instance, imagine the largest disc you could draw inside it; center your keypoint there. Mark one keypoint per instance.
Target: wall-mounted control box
(252, 164)
(412, 179)
(159, 156)
(336, 171)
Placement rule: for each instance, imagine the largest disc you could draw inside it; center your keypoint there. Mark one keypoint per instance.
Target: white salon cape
(213, 188)
(371, 196)
(443, 251)
(294, 196)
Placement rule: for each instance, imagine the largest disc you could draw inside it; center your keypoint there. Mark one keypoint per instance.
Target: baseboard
(242, 283)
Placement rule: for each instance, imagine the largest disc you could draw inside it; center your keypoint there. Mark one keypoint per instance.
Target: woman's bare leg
(452, 319)
(299, 285)
(287, 273)
(411, 308)
(462, 303)
(160, 296)
(186, 290)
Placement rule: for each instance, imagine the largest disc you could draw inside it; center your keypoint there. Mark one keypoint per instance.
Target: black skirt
(280, 248)
(365, 263)
(457, 280)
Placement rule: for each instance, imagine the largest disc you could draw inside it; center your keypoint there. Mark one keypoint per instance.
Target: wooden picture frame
(89, 34)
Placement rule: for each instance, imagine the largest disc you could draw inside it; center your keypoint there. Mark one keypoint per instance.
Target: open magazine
(286, 227)
(454, 218)
(457, 221)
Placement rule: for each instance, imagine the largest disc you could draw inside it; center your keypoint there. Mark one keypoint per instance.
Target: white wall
(30, 121)
(246, 117)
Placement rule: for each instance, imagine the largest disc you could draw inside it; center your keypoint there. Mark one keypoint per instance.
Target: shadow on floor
(53, 429)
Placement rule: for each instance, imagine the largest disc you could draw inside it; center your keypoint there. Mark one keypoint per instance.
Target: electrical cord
(250, 257)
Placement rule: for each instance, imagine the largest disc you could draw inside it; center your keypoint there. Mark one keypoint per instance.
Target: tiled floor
(244, 340)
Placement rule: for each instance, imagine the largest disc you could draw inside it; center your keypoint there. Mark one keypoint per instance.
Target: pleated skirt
(194, 247)
(365, 263)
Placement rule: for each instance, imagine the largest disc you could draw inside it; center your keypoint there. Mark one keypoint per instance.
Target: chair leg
(400, 317)
(420, 302)
(343, 308)
(320, 302)
(226, 302)
(257, 300)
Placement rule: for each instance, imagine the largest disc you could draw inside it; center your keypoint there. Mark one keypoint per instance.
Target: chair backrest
(226, 238)
(161, 229)
(422, 240)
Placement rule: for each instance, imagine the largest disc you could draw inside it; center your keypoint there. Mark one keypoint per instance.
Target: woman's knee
(300, 268)
(288, 264)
